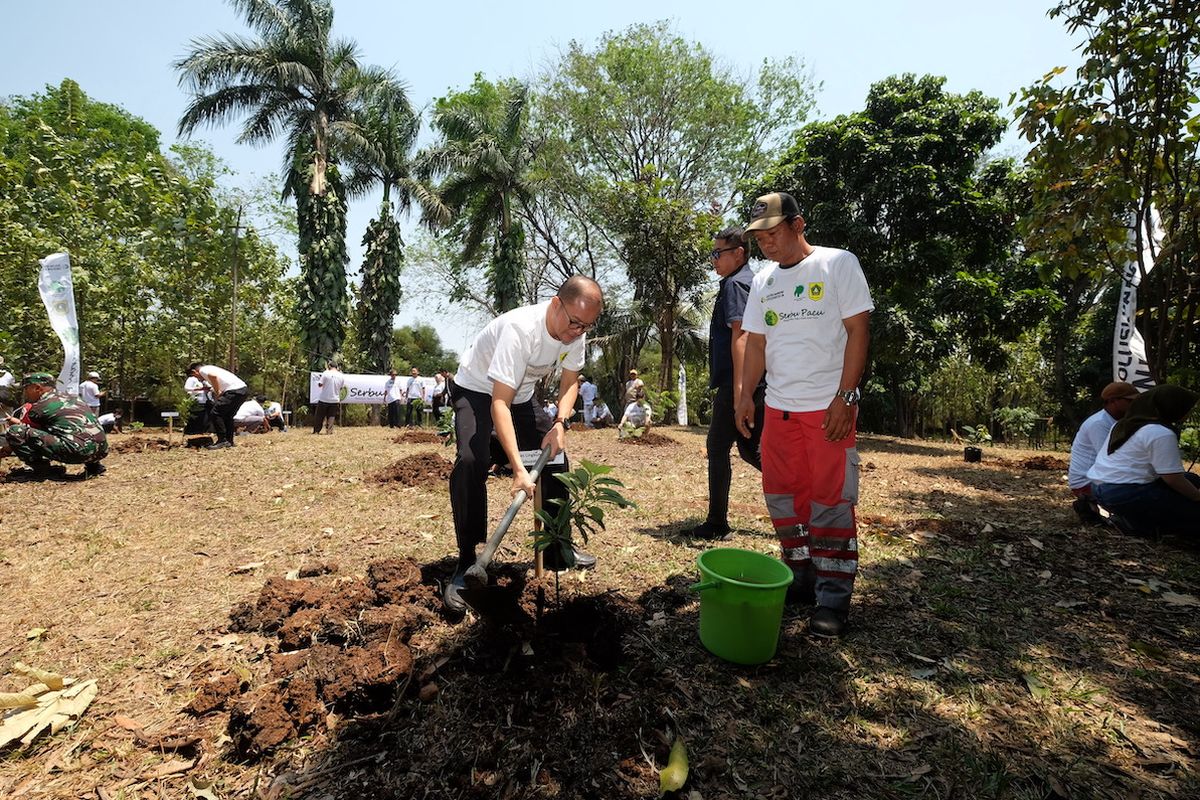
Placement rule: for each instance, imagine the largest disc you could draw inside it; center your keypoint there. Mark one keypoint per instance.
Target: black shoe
(827, 622)
(708, 530)
(450, 595)
(1085, 509)
(219, 446)
(552, 559)
(798, 595)
(94, 469)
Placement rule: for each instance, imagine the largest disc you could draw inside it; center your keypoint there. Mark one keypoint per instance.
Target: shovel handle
(489, 550)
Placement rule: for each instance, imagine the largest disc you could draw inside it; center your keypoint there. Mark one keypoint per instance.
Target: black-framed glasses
(576, 325)
(715, 254)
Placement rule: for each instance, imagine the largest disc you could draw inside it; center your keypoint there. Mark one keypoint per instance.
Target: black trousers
(468, 480)
(324, 411)
(393, 414)
(722, 435)
(223, 412)
(409, 408)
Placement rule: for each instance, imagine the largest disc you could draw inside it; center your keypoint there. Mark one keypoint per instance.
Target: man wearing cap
(493, 390)
(726, 344)
(632, 385)
(228, 391)
(90, 394)
(807, 325)
(58, 428)
(1093, 435)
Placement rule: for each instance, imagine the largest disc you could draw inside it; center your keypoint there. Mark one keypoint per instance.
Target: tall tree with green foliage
(653, 127)
(900, 185)
(297, 81)
(1121, 137)
(484, 157)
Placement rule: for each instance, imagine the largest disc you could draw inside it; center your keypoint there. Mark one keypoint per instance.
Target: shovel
(476, 576)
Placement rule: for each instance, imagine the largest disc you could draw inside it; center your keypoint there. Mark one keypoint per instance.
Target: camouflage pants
(35, 446)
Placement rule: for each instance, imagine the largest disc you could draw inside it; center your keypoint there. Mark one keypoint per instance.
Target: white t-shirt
(637, 415)
(800, 311)
(517, 350)
(195, 387)
(222, 378)
(273, 410)
(601, 414)
(330, 384)
(393, 389)
(89, 393)
(587, 391)
(415, 389)
(107, 419)
(631, 387)
(1152, 451)
(249, 411)
(1092, 436)
(6, 378)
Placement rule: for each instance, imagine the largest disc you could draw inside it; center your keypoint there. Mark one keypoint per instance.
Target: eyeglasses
(576, 325)
(715, 254)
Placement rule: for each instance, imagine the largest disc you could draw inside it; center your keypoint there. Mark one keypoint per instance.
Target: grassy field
(997, 648)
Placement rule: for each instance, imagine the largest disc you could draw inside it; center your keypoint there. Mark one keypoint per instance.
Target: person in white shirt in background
(631, 386)
(414, 390)
(587, 392)
(228, 392)
(90, 392)
(251, 417)
(1091, 437)
(329, 397)
(111, 422)
(393, 395)
(199, 421)
(274, 413)
(8, 393)
(602, 416)
(638, 414)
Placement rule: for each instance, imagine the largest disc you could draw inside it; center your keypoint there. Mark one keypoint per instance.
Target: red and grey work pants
(811, 486)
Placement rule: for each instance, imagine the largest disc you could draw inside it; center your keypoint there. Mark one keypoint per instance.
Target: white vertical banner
(58, 295)
(1129, 349)
(681, 415)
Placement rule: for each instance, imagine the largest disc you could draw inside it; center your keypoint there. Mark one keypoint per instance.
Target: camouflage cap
(770, 210)
(39, 379)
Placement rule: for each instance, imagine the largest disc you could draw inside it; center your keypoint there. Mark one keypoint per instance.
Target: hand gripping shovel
(476, 576)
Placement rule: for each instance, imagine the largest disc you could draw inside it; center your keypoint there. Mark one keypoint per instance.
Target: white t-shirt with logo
(195, 387)
(393, 389)
(637, 415)
(1092, 436)
(800, 311)
(89, 393)
(1152, 451)
(223, 378)
(415, 389)
(331, 383)
(516, 349)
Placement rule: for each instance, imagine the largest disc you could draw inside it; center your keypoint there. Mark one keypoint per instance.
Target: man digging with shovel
(493, 390)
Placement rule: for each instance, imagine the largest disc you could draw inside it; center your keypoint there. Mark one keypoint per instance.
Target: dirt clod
(650, 439)
(137, 444)
(422, 470)
(418, 437)
(213, 694)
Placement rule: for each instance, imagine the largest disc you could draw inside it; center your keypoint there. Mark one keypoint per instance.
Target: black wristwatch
(850, 396)
(560, 420)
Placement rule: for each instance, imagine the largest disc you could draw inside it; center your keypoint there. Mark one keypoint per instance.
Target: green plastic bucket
(741, 603)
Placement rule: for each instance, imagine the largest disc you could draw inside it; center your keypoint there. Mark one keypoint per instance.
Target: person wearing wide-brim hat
(1091, 437)
(1139, 475)
(807, 325)
(56, 428)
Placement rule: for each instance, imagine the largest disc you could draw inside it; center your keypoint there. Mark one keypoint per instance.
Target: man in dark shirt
(726, 341)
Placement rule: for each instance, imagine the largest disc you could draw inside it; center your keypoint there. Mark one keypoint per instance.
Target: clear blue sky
(121, 51)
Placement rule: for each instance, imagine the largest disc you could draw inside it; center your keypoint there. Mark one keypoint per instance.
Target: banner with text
(58, 295)
(370, 389)
(1129, 349)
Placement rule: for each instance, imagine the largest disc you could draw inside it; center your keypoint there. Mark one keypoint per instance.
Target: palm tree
(391, 127)
(485, 156)
(294, 80)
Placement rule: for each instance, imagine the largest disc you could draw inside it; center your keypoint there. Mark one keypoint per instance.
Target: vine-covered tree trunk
(379, 295)
(322, 307)
(508, 269)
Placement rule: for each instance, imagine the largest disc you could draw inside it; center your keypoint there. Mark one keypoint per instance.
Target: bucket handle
(700, 587)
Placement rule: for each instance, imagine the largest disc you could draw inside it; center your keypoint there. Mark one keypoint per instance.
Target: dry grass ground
(998, 649)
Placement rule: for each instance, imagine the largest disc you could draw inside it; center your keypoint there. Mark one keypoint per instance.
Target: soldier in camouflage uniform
(60, 428)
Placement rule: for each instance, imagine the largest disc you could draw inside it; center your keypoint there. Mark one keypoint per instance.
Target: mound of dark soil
(426, 469)
(418, 437)
(1048, 463)
(137, 444)
(650, 439)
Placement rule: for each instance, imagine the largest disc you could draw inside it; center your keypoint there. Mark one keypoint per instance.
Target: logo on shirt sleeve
(770, 317)
(816, 290)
